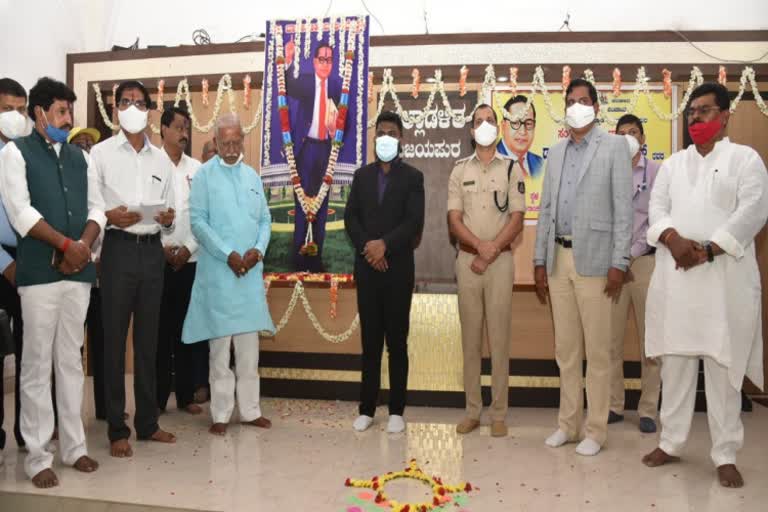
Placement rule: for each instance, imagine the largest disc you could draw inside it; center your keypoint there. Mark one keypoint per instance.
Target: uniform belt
(472, 250)
(565, 242)
(650, 252)
(132, 237)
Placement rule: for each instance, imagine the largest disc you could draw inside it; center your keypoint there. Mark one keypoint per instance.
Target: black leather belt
(565, 242)
(650, 252)
(132, 237)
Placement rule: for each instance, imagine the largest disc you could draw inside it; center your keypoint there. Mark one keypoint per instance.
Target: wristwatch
(710, 254)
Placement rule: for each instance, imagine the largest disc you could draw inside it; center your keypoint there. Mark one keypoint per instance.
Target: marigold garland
(566, 81)
(160, 91)
(440, 491)
(204, 86)
(616, 81)
(463, 73)
(721, 76)
(513, 80)
(416, 84)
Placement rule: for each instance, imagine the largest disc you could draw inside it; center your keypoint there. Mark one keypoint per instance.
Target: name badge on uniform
(466, 183)
(521, 187)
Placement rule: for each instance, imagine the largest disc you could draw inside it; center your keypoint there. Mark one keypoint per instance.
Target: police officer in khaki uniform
(486, 201)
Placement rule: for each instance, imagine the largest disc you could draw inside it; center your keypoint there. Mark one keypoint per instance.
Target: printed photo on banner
(528, 141)
(313, 138)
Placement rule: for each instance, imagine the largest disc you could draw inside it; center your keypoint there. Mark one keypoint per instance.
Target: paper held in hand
(148, 211)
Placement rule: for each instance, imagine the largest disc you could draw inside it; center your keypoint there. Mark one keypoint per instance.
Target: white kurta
(712, 310)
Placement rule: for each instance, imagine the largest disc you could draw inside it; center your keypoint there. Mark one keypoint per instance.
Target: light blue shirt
(228, 212)
(7, 236)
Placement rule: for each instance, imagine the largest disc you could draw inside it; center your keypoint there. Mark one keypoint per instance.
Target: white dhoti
(244, 380)
(54, 318)
(680, 375)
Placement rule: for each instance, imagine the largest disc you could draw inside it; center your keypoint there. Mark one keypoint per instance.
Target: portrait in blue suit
(517, 138)
(313, 98)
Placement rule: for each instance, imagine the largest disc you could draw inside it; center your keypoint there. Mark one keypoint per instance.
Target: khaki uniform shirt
(478, 190)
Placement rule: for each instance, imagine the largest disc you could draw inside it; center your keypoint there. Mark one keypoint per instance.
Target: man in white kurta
(707, 205)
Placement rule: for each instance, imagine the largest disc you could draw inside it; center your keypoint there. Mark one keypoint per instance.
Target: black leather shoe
(647, 425)
(614, 418)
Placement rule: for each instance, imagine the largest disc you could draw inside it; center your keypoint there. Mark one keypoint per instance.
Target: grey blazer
(602, 218)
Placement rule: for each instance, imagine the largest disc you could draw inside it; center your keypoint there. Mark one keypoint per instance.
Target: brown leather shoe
(498, 429)
(467, 425)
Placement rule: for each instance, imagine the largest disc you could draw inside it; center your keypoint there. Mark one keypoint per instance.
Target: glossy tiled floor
(301, 465)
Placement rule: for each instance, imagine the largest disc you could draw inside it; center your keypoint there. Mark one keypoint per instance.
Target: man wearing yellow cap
(86, 138)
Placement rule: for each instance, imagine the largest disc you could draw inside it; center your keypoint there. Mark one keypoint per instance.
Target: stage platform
(302, 462)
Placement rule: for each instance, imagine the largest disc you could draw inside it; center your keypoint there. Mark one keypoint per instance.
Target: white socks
(396, 424)
(362, 423)
(588, 447)
(559, 438)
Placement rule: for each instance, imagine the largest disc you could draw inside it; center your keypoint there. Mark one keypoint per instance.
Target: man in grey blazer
(582, 251)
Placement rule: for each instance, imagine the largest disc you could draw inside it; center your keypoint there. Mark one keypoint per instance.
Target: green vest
(58, 189)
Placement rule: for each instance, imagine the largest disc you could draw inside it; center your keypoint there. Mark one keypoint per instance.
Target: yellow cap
(77, 130)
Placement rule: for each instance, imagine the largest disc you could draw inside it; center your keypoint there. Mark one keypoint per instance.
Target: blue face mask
(55, 134)
(386, 148)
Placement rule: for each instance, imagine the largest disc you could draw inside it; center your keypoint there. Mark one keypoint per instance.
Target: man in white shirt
(708, 203)
(180, 248)
(48, 190)
(132, 175)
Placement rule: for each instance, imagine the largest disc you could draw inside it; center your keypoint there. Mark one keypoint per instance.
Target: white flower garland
(748, 75)
(297, 48)
(538, 86)
(266, 127)
(307, 38)
(299, 293)
(360, 88)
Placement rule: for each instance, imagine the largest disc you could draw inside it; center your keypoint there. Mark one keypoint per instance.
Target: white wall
(36, 35)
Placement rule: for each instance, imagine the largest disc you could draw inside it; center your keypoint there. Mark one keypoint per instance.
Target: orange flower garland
(463, 72)
(247, 91)
(370, 85)
(334, 296)
(566, 81)
(416, 82)
(616, 81)
(721, 76)
(160, 89)
(513, 80)
(205, 92)
(440, 491)
(667, 74)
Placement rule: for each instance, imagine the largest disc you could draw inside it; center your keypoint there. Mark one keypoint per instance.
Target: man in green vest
(47, 190)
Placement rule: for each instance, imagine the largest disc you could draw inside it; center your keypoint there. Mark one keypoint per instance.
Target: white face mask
(132, 119)
(387, 148)
(634, 145)
(578, 115)
(13, 125)
(225, 164)
(486, 134)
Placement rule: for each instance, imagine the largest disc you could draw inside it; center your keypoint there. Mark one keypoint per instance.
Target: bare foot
(121, 449)
(193, 409)
(729, 476)
(86, 464)
(260, 422)
(658, 457)
(161, 436)
(218, 429)
(45, 479)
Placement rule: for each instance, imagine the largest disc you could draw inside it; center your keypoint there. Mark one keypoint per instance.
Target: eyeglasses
(232, 144)
(529, 124)
(126, 103)
(701, 111)
(325, 60)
